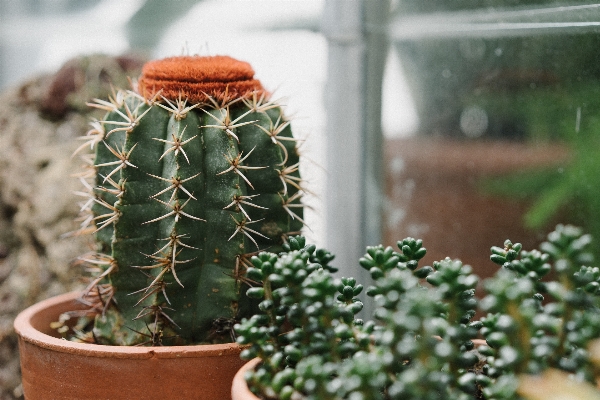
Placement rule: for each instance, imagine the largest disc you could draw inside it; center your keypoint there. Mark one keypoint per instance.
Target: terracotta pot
(434, 193)
(53, 368)
(239, 387)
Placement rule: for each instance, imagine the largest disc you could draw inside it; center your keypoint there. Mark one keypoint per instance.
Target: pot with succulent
(194, 172)
(424, 342)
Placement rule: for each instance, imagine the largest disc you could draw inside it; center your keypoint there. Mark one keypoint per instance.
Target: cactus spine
(194, 173)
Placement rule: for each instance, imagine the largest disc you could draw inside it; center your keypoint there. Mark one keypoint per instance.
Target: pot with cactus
(539, 318)
(194, 172)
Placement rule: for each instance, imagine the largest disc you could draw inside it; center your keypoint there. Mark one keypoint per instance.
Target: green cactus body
(185, 192)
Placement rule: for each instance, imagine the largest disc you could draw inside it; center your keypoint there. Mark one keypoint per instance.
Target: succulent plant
(541, 314)
(194, 172)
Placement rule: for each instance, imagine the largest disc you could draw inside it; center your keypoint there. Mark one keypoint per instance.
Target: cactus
(194, 172)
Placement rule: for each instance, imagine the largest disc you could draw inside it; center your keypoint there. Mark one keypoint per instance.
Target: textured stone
(39, 122)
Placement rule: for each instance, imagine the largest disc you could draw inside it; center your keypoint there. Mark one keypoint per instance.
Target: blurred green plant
(150, 22)
(568, 190)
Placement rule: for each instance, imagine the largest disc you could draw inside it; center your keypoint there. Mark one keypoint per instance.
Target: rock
(40, 121)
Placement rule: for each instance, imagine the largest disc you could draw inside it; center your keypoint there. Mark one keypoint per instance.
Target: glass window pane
(507, 98)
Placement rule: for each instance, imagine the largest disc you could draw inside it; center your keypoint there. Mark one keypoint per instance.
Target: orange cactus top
(196, 78)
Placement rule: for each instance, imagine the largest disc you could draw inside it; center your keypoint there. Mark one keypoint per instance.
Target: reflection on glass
(507, 94)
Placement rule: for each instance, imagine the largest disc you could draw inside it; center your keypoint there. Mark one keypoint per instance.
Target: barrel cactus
(195, 171)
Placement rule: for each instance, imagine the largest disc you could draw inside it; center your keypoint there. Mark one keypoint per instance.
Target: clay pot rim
(239, 386)
(27, 332)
